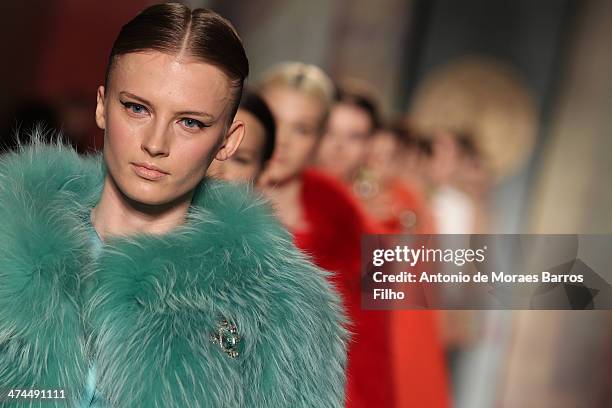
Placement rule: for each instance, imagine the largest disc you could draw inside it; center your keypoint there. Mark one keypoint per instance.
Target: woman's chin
(167, 193)
(148, 196)
(280, 177)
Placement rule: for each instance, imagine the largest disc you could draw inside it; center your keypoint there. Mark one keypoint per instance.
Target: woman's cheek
(119, 133)
(196, 157)
(309, 145)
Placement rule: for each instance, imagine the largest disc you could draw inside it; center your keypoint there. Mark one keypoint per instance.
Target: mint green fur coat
(147, 309)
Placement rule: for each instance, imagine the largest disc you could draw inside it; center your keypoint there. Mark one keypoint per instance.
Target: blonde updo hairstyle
(304, 78)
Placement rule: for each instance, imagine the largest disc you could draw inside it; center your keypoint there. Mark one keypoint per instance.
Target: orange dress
(419, 365)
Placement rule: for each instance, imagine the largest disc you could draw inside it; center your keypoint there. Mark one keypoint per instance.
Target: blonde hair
(306, 78)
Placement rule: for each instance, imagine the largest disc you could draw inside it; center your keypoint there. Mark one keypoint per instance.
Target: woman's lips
(147, 172)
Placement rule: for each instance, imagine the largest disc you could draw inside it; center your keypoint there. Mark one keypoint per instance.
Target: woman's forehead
(291, 104)
(171, 80)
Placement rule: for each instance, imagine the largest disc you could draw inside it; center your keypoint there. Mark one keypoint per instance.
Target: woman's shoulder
(327, 197)
(240, 223)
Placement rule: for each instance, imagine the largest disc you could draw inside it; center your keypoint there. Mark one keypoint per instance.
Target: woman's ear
(100, 109)
(233, 138)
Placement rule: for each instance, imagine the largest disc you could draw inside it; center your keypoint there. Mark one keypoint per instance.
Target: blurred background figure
(367, 159)
(394, 181)
(393, 186)
(257, 146)
(453, 209)
(483, 121)
(352, 121)
(325, 219)
(475, 179)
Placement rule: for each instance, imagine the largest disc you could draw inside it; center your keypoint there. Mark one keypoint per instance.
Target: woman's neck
(287, 200)
(116, 214)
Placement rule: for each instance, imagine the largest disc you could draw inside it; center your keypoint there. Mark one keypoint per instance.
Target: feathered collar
(336, 221)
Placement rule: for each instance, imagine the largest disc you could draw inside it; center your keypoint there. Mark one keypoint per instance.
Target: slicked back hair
(174, 29)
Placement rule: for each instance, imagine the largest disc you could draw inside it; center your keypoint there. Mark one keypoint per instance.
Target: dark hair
(173, 28)
(361, 100)
(254, 104)
(407, 137)
(466, 144)
(425, 146)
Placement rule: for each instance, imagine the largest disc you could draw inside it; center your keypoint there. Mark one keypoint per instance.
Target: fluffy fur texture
(145, 309)
(337, 223)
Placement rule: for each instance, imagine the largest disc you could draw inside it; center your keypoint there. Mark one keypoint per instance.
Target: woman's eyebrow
(196, 113)
(144, 101)
(138, 98)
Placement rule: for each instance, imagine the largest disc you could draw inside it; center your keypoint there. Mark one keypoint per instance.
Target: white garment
(453, 211)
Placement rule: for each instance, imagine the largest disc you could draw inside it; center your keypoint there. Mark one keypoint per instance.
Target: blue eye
(137, 108)
(134, 107)
(193, 124)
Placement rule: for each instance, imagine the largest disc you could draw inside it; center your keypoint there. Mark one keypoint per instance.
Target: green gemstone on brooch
(226, 336)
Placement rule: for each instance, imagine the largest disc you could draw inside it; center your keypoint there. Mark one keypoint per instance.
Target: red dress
(419, 364)
(333, 240)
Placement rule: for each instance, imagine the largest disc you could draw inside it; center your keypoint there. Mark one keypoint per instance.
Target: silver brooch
(226, 336)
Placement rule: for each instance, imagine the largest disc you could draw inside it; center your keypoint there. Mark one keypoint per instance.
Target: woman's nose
(156, 141)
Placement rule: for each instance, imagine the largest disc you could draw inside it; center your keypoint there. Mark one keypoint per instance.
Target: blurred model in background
(454, 210)
(369, 160)
(483, 120)
(392, 186)
(394, 183)
(325, 219)
(353, 118)
(257, 146)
